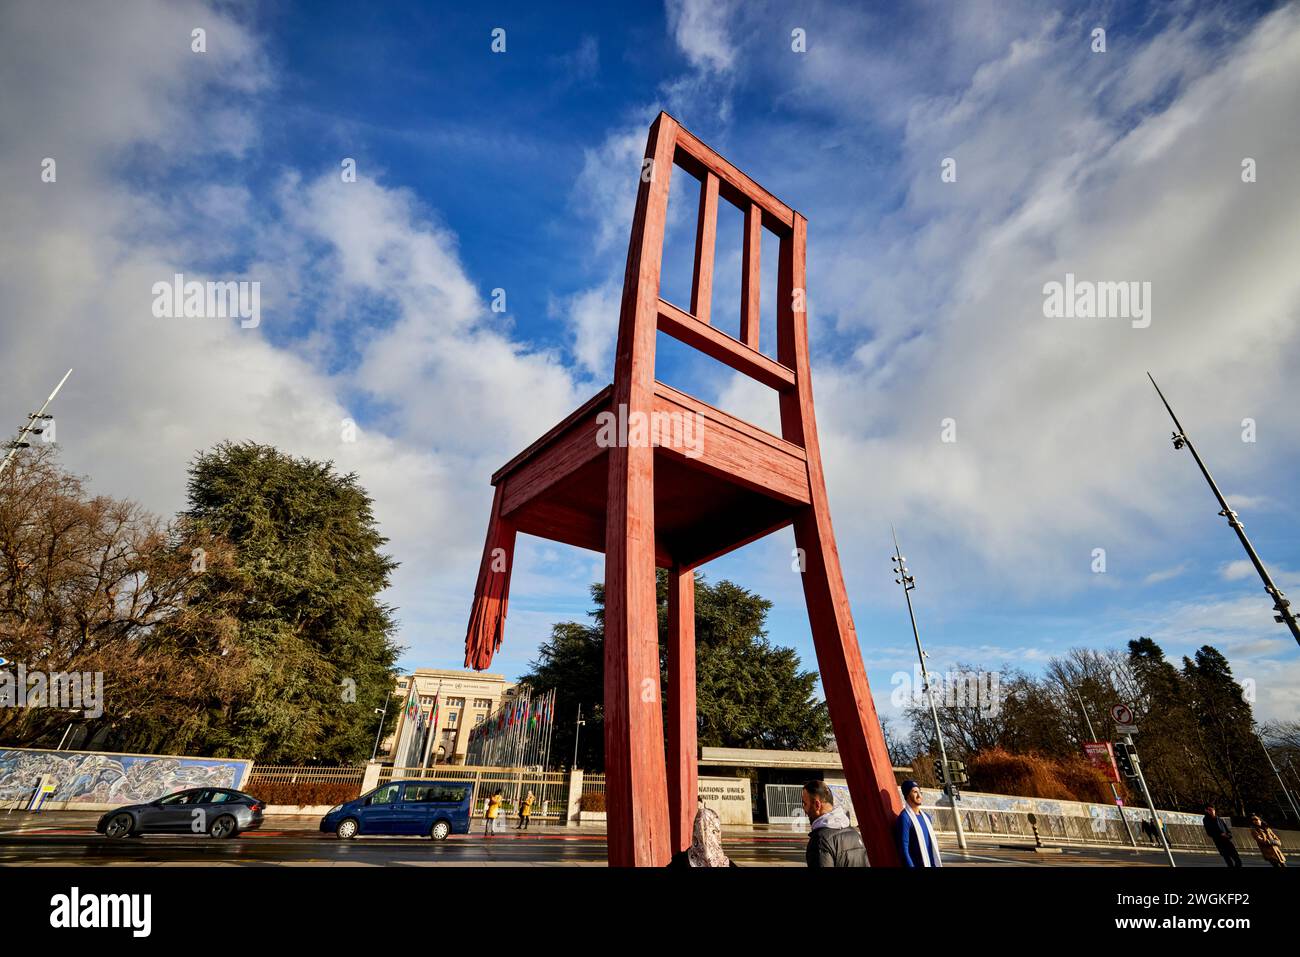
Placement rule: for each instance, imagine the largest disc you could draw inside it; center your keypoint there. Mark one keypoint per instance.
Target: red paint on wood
(683, 787)
(647, 506)
(706, 234)
(750, 258)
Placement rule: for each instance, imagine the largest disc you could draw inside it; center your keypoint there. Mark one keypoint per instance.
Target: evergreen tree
(749, 692)
(308, 568)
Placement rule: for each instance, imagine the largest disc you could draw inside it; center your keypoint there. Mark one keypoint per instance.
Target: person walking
(1270, 845)
(832, 841)
(918, 845)
(1221, 834)
(526, 811)
(706, 843)
(493, 809)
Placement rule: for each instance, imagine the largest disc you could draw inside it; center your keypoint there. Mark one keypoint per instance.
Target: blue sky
(517, 170)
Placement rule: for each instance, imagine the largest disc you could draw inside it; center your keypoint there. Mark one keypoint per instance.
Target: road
(65, 840)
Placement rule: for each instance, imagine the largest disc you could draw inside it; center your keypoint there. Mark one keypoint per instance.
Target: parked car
(219, 812)
(435, 808)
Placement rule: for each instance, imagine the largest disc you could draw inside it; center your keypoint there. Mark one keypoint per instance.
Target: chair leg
(487, 620)
(636, 792)
(867, 765)
(683, 771)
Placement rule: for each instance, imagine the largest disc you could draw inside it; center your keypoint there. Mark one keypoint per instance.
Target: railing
(304, 774)
(550, 788)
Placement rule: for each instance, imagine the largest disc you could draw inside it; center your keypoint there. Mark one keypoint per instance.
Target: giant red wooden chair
(648, 506)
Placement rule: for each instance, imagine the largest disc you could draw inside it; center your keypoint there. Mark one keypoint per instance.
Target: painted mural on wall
(976, 801)
(98, 777)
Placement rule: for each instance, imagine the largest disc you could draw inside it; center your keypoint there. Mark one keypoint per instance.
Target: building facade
(465, 699)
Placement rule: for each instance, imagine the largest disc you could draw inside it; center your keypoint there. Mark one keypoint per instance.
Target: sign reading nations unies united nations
(729, 797)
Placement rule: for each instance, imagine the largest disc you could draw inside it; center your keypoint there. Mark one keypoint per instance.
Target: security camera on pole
(1127, 757)
(946, 771)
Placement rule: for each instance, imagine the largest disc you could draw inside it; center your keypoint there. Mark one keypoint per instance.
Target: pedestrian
(493, 809)
(526, 811)
(918, 845)
(706, 843)
(1221, 834)
(832, 841)
(1270, 845)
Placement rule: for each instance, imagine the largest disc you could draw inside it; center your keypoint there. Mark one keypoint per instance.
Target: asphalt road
(44, 841)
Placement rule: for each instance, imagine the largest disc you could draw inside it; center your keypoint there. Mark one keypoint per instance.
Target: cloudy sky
(480, 171)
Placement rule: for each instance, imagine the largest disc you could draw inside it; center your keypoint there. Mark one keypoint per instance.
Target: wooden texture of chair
(668, 506)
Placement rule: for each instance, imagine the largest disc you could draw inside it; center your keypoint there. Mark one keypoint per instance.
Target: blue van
(435, 808)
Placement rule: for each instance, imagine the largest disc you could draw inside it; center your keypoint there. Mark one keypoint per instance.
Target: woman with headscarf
(706, 843)
(1270, 845)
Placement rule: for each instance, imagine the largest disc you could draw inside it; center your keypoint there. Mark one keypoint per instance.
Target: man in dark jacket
(832, 842)
(1221, 834)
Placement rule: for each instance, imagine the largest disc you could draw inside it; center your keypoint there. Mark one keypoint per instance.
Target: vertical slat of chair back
(672, 145)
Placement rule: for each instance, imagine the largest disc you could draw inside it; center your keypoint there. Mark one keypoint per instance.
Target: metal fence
(304, 774)
(550, 788)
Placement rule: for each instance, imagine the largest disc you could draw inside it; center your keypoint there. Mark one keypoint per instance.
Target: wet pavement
(68, 838)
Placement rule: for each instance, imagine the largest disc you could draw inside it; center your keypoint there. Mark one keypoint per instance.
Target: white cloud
(700, 29)
(361, 262)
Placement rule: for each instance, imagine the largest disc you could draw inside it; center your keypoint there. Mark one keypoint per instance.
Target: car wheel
(224, 827)
(440, 830)
(119, 826)
(347, 829)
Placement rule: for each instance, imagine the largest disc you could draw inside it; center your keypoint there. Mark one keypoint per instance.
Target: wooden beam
(706, 240)
(683, 770)
(705, 443)
(717, 344)
(552, 464)
(736, 187)
(593, 405)
(751, 255)
(867, 766)
(636, 787)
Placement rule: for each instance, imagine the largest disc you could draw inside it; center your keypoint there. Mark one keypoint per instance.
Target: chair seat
(719, 482)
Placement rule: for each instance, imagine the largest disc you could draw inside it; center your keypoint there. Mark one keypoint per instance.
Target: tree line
(248, 625)
(1198, 739)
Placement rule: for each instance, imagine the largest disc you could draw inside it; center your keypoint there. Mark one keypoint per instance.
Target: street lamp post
(908, 581)
(577, 731)
(1282, 607)
(30, 428)
(380, 730)
(1277, 774)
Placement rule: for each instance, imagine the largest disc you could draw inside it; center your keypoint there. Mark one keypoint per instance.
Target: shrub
(303, 792)
(592, 801)
(1032, 775)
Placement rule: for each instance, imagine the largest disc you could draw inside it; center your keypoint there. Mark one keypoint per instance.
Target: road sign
(1122, 714)
(1126, 729)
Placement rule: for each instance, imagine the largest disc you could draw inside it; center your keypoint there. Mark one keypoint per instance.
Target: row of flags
(518, 734)
(415, 741)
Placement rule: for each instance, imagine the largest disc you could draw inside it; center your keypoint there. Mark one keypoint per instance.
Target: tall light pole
(905, 578)
(374, 753)
(577, 730)
(31, 428)
(1277, 774)
(1114, 788)
(1281, 605)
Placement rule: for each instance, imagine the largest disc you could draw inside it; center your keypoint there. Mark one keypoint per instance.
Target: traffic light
(1124, 760)
(958, 771)
(938, 772)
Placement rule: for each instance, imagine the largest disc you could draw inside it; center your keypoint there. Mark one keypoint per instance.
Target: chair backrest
(644, 311)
